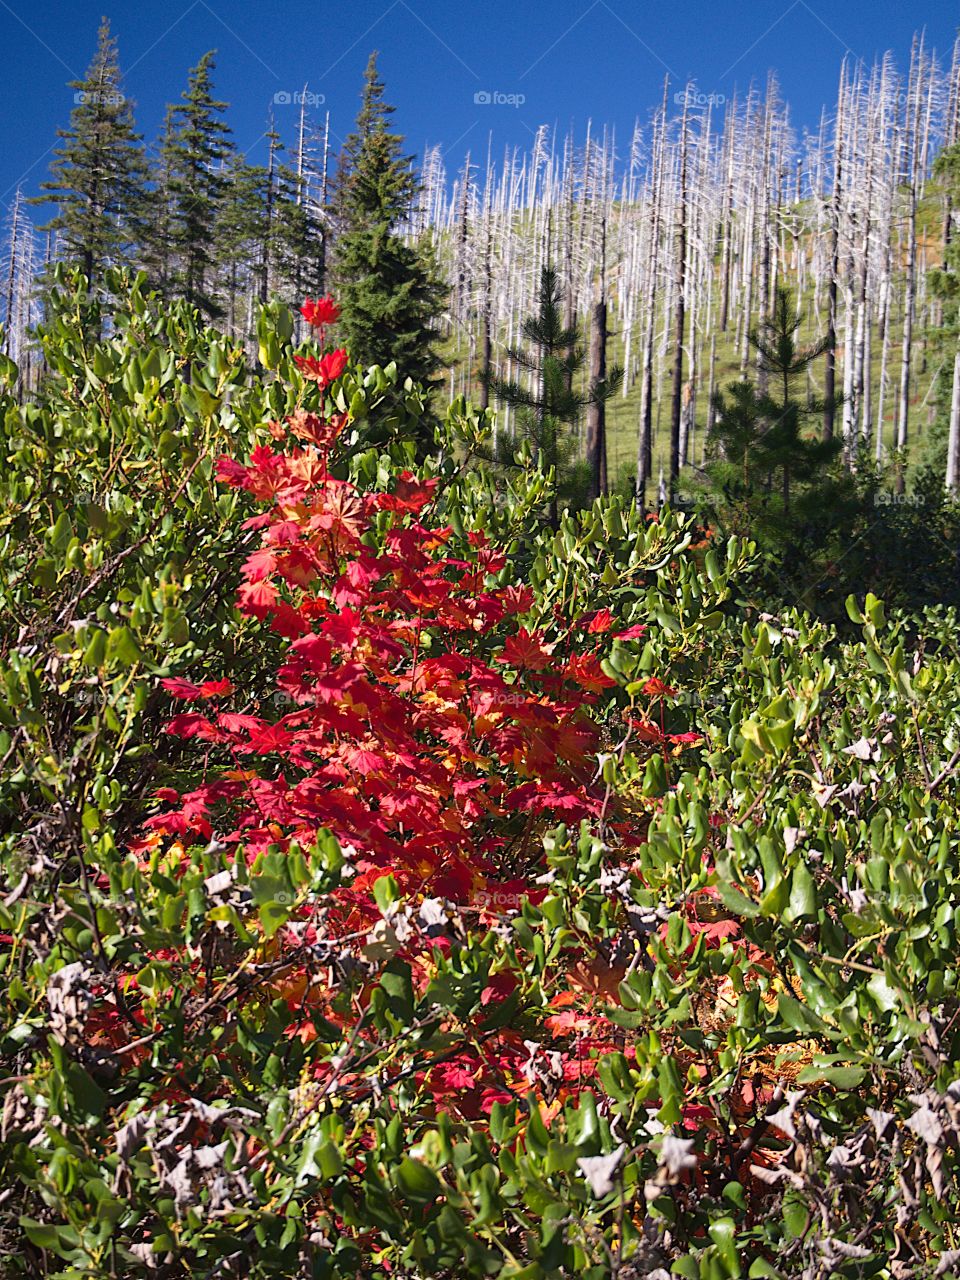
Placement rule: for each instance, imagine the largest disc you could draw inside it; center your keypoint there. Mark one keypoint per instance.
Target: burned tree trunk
(596, 410)
(679, 322)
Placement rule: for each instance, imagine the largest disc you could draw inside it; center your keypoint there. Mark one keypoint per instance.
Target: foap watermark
(498, 699)
(496, 899)
(889, 499)
(496, 98)
(95, 98)
(686, 499)
(690, 698)
(692, 99)
(298, 98)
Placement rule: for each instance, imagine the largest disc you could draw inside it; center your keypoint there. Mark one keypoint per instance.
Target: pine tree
(157, 251)
(297, 236)
(193, 153)
(99, 173)
(549, 409)
(389, 291)
(763, 463)
(240, 231)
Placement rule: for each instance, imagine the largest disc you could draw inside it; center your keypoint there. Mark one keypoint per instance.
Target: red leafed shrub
(428, 727)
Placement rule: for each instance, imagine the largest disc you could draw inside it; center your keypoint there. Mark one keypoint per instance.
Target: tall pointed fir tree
(98, 174)
(156, 251)
(240, 234)
(389, 290)
(191, 182)
(296, 237)
(549, 405)
(771, 477)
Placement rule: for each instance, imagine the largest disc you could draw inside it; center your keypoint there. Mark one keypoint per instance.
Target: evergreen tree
(758, 443)
(771, 476)
(268, 240)
(98, 175)
(389, 291)
(290, 258)
(549, 410)
(193, 154)
(240, 234)
(156, 251)
(296, 240)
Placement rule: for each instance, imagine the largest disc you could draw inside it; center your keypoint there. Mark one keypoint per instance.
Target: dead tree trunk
(676, 410)
(645, 441)
(830, 355)
(596, 410)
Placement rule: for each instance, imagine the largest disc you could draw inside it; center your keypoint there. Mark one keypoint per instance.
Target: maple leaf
(234, 722)
(457, 1076)
(257, 598)
(319, 312)
(341, 512)
(566, 1022)
(646, 730)
(344, 629)
(492, 1096)
(194, 725)
(517, 599)
(364, 760)
(631, 633)
(317, 429)
(191, 692)
(298, 566)
(599, 622)
(498, 988)
(525, 650)
(304, 1031)
(324, 370)
(215, 688)
(181, 688)
(288, 621)
(714, 932)
(584, 670)
(232, 472)
(260, 565)
(310, 470)
(409, 494)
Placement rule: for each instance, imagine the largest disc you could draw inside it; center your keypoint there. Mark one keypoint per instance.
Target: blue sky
(568, 60)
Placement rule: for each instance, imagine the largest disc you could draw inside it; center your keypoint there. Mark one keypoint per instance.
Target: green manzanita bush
(711, 1031)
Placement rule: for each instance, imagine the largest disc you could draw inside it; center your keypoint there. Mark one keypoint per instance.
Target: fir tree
(194, 150)
(766, 468)
(549, 410)
(156, 251)
(389, 290)
(240, 233)
(268, 240)
(296, 239)
(98, 175)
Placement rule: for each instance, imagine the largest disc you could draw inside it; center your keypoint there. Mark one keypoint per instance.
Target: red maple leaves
(320, 311)
(325, 369)
(427, 727)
